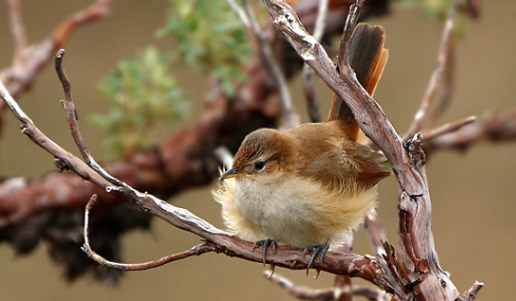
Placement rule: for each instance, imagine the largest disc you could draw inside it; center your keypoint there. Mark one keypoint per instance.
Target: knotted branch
(366, 267)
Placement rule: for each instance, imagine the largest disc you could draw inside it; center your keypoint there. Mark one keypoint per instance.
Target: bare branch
(17, 28)
(342, 286)
(195, 251)
(308, 73)
(71, 114)
(417, 257)
(471, 294)
(343, 264)
(240, 13)
(447, 128)
(290, 118)
(40, 139)
(376, 232)
(492, 126)
(306, 293)
(185, 159)
(31, 59)
(431, 108)
(298, 291)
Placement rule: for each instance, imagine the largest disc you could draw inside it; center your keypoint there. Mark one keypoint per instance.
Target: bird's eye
(259, 165)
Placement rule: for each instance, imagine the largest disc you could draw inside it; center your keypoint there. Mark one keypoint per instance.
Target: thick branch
(416, 246)
(185, 159)
(342, 264)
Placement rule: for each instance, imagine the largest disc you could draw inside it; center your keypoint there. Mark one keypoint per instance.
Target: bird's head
(259, 155)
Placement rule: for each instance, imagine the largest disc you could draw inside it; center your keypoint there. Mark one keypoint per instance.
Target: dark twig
(308, 73)
(71, 114)
(195, 251)
(185, 158)
(431, 108)
(40, 139)
(416, 262)
(343, 264)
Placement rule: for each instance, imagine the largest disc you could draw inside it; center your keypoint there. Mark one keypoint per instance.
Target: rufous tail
(368, 59)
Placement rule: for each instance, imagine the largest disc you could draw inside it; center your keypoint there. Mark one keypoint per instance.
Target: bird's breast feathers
(293, 210)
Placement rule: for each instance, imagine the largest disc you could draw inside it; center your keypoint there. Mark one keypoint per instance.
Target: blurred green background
(473, 194)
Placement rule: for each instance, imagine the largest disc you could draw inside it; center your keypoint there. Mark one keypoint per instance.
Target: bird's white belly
(278, 209)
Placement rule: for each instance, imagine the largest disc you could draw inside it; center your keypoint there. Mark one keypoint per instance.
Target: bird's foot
(266, 243)
(318, 251)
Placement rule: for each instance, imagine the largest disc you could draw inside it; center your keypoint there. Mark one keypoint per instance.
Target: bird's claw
(318, 251)
(266, 243)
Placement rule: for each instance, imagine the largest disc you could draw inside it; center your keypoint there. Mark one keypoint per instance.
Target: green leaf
(142, 95)
(210, 38)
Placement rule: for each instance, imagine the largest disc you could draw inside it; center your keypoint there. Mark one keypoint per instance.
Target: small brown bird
(309, 186)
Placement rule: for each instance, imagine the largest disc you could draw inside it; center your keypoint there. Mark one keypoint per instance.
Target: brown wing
(368, 60)
(350, 165)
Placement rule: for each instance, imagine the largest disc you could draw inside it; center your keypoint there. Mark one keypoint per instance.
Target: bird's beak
(233, 173)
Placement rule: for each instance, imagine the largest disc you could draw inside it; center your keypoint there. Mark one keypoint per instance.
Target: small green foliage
(209, 37)
(143, 97)
(438, 10)
(434, 9)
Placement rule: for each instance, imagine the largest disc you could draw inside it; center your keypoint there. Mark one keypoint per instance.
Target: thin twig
(447, 128)
(30, 60)
(471, 293)
(71, 114)
(182, 160)
(39, 138)
(239, 12)
(290, 117)
(424, 117)
(492, 126)
(417, 261)
(308, 73)
(298, 291)
(17, 29)
(195, 251)
(306, 293)
(376, 232)
(342, 286)
(351, 22)
(344, 264)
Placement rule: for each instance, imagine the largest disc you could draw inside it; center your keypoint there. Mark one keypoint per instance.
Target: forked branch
(416, 250)
(413, 273)
(366, 267)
